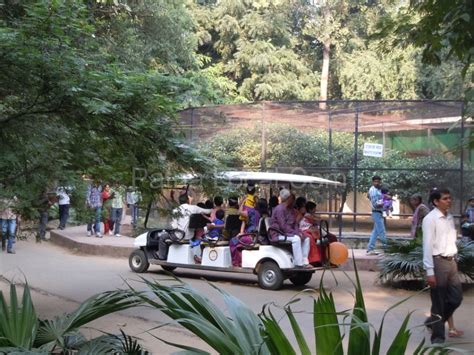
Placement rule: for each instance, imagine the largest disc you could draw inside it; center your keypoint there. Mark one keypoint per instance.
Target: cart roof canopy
(268, 177)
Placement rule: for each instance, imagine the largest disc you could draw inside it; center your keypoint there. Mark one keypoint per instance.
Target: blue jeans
(9, 227)
(116, 217)
(378, 231)
(96, 221)
(134, 212)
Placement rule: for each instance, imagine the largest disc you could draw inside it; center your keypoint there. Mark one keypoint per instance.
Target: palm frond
(359, 336)
(239, 333)
(275, 338)
(56, 331)
(18, 321)
(407, 264)
(111, 343)
(326, 326)
(466, 259)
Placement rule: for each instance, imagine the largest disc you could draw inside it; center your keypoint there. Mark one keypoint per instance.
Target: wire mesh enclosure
(414, 145)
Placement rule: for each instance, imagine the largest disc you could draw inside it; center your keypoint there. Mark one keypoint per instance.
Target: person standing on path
(94, 203)
(376, 201)
(420, 210)
(117, 194)
(44, 203)
(439, 251)
(64, 202)
(133, 199)
(8, 222)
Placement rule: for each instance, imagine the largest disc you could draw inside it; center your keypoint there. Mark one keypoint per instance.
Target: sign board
(373, 150)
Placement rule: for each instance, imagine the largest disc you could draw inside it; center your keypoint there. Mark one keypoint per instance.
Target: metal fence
(429, 134)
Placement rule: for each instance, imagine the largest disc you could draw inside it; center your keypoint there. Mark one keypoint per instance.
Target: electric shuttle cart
(272, 263)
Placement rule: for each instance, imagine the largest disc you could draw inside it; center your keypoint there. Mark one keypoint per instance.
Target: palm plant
(22, 331)
(243, 332)
(404, 261)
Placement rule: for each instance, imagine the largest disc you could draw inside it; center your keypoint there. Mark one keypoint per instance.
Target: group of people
(285, 216)
(106, 206)
(433, 226)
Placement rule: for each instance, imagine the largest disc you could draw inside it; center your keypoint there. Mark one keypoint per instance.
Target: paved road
(74, 278)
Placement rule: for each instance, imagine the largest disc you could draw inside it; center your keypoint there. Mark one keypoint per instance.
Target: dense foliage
(90, 88)
(77, 98)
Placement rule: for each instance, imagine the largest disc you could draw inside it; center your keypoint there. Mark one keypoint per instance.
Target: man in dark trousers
(439, 251)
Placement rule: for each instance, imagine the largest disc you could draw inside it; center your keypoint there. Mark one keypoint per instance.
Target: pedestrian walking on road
(439, 252)
(117, 194)
(64, 202)
(133, 199)
(45, 201)
(94, 203)
(376, 201)
(420, 210)
(9, 220)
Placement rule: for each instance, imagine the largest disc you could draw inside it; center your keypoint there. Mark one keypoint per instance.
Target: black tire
(270, 276)
(301, 278)
(138, 261)
(168, 268)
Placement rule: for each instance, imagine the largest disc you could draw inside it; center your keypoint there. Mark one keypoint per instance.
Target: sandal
(455, 333)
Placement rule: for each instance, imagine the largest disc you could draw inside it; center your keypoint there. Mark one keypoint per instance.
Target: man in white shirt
(439, 251)
(181, 222)
(64, 202)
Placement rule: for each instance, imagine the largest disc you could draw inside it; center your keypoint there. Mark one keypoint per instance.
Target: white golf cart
(272, 263)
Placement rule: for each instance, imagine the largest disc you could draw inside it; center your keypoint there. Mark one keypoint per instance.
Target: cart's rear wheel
(270, 276)
(168, 268)
(138, 261)
(301, 278)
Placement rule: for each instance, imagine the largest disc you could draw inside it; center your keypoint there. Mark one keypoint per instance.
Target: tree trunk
(325, 74)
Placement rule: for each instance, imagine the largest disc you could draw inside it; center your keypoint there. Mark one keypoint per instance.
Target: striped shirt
(375, 197)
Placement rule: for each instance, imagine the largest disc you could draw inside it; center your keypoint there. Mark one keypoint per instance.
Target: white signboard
(373, 150)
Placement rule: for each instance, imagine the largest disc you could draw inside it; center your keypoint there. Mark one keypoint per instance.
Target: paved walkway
(76, 240)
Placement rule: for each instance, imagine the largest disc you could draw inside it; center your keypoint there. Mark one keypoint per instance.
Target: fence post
(356, 143)
(263, 159)
(461, 191)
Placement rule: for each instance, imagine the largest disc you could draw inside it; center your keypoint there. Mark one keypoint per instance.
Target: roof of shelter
(372, 116)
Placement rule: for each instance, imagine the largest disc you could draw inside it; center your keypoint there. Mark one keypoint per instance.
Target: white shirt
(63, 197)
(439, 238)
(183, 213)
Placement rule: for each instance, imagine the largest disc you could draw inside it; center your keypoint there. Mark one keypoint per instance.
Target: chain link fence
(414, 145)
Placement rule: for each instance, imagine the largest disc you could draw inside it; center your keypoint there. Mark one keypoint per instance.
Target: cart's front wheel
(138, 261)
(270, 276)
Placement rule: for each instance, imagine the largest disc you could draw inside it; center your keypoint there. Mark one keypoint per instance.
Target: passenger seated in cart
(284, 220)
(309, 226)
(300, 207)
(181, 217)
(248, 203)
(216, 233)
(248, 231)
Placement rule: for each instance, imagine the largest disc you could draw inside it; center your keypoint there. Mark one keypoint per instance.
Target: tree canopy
(91, 87)
(72, 103)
